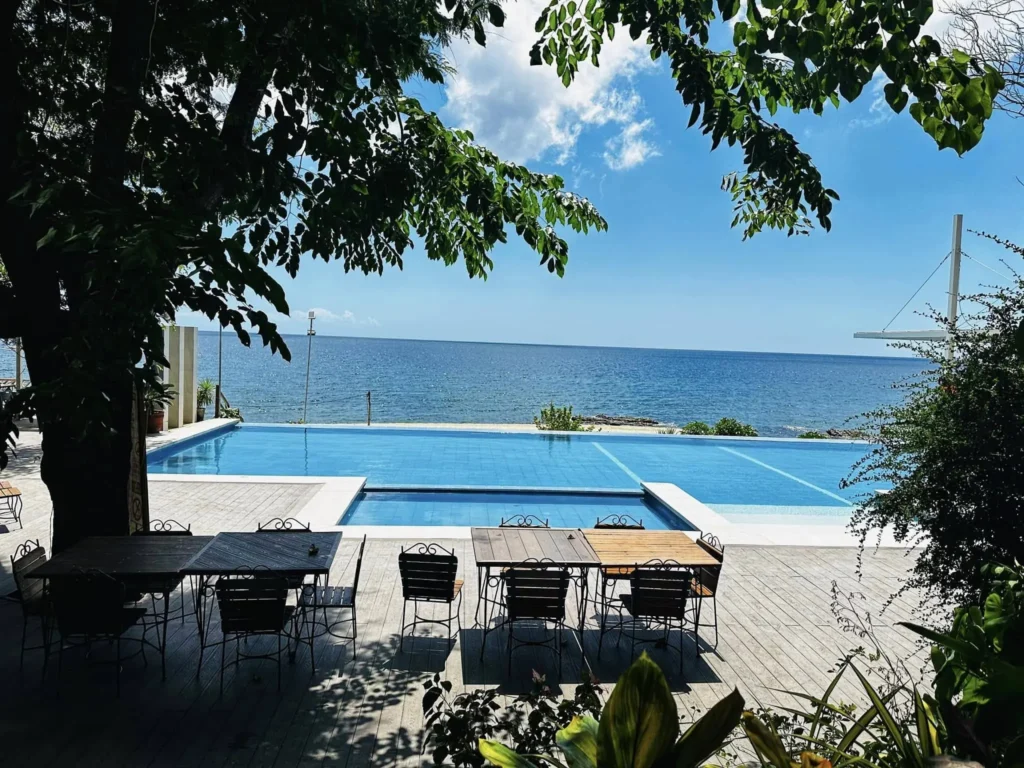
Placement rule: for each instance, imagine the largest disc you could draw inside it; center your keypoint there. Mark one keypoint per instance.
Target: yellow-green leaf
(502, 756)
(640, 722)
(578, 742)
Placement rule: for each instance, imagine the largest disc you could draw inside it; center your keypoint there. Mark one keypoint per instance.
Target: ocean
(442, 381)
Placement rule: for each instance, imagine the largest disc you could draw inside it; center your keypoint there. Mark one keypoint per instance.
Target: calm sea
(441, 381)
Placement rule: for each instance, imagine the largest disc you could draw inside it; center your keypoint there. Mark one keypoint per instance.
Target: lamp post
(309, 354)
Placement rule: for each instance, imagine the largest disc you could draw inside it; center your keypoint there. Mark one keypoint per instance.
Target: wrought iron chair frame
(37, 605)
(640, 618)
(117, 600)
(609, 576)
(167, 528)
(705, 585)
(224, 585)
(530, 570)
(13, 503)
(323, 604)
(524, 521)
(283, 525)
(489, 581)
(431, 557)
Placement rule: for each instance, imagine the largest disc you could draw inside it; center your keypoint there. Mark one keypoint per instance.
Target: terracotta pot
(156, 423)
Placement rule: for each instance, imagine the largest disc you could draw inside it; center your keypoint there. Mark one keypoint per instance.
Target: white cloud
(630, 148)
(879, 112)
(324, 315)
(525, 113)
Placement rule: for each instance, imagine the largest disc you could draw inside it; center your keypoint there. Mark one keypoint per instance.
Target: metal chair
(253, 602)
(10, 503)
(165, 587)
(658, 592)
(535, 591)
(524, 521)
(283, 525)
(705, 583)
(335, 599)
(428, 575)
(611, 575)
(627, 522)
(89, 606)
(31, 597)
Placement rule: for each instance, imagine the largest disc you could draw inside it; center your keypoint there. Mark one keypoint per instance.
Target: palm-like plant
(639, 728)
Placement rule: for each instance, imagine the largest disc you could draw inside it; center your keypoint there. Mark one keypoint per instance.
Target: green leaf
(640, 722)
(728, 8)
(578, 742)
(1018, 339)
(502, 756)
(862, 723)
(43, 241)
(765, 741)
(705, 737)
(496, 15)
(895, 733)
(478, 33)
(896, 97)
(927, 732)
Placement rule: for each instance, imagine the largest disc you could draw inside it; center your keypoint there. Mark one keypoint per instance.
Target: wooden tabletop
(626, 548)
(510, 546)
(282, 552)
(124, 556)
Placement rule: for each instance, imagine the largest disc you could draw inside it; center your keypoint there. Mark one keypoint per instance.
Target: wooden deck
(777, 630)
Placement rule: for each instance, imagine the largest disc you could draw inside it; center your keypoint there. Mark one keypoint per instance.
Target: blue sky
(670, 272)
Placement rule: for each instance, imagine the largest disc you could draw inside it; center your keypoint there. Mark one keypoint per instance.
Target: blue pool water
(731, 476)
(561, 510)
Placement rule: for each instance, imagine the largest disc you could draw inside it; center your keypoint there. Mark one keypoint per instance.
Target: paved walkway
(778, 631)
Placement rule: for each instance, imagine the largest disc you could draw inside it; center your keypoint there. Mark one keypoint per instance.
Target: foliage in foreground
(952, 451)
(455, 725)
(639, 727)
(733, 428)
(696, 428)
(560, 419)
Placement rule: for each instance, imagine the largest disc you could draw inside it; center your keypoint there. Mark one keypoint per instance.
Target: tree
(992, 32)
(161, 154)
(796, 54)
(953, 449)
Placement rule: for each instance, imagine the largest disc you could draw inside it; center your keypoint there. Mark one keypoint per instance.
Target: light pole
(220, 368)
(309, 354)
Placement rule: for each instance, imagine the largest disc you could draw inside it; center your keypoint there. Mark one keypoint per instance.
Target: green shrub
(813, 435)
(952, 452)
(668, 431)
(560, 419)
(231, 413)
(696, 428)
(205, 393)
(733, 428)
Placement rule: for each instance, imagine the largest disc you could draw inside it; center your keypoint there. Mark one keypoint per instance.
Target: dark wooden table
(286, 553)
(124, 557)
(155, 561)
(283, 552)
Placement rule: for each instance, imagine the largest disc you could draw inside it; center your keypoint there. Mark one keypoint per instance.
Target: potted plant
(204, 397)
(156, 401)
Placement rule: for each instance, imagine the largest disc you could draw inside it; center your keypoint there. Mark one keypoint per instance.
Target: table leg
(163, 642)
(199, 597)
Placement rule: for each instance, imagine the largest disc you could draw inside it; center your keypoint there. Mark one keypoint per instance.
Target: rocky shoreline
(602, 420)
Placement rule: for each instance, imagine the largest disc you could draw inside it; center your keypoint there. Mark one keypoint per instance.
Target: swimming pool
(740, 479)
(467, 508)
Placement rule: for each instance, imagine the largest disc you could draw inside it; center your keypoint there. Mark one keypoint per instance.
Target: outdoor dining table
(150, 559)
(295, 553)
(505, 547)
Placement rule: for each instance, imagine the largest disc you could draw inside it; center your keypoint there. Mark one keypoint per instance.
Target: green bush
(952, 452)
(205, 393)
(668, 431)
(813, 435)
(696, 428)
(560, 419)
(733, 428)
(231, 413)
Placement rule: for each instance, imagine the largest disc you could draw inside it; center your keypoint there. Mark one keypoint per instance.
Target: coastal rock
(847, 434)
(601, 419)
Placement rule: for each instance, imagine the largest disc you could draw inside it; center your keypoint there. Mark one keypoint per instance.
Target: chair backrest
(708, 576)
(659, 589)
(26, 557)
(252, 600)
(88, 602)
(524, 521)
(428, 572)
(283, 525)
(166, 528)
(536, 590)
(359, 567)
(620, 521)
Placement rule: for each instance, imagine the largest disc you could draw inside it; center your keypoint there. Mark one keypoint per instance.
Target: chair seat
(699, 590)
(329, 597)
(126, 619)
(458, 588)
(613, 573)
(9, 492)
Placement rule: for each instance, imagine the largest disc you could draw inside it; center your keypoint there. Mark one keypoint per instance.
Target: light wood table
(617, 548)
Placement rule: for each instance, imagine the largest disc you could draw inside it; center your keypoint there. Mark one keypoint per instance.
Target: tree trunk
(86, 464)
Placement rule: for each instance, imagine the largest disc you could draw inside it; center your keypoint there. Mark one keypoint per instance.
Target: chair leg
(682, 630)
(279, 661)
(24, 636)
(401, 631)
(714, 610)
(222, 646)
(117, 663)
(511, 640)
